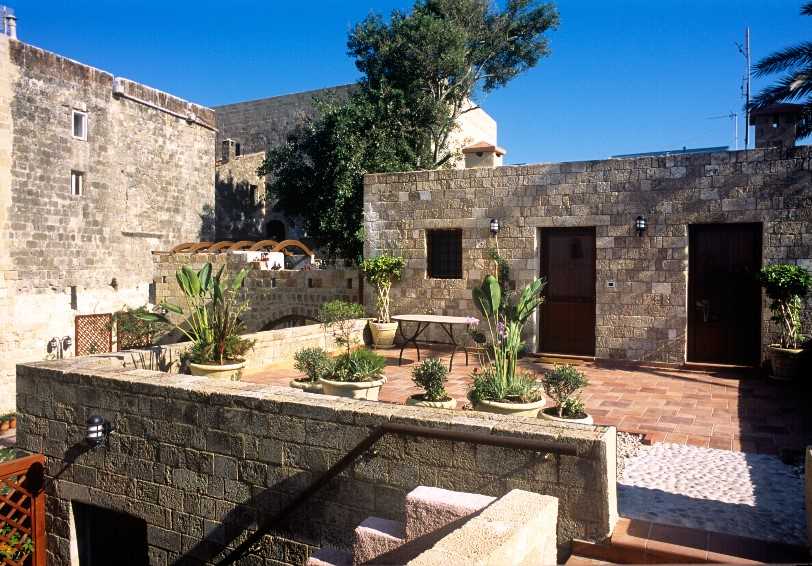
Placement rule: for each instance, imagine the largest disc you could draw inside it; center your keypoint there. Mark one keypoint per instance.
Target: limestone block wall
(201, 461)
(645, 316)
(148, 166)
(273, 296)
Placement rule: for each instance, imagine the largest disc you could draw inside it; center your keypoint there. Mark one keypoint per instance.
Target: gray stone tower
(776, 125)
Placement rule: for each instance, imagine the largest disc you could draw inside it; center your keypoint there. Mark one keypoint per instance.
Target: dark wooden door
(568, 313)
(724, 297)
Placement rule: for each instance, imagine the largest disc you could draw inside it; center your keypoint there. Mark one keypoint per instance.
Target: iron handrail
(517, 442)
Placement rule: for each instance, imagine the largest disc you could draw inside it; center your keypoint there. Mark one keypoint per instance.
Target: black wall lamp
(640, 225)
(494, 226)
(98, 431)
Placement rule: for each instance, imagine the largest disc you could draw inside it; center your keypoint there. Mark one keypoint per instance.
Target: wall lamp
(494, 226)
(98, 431)
(640, 225)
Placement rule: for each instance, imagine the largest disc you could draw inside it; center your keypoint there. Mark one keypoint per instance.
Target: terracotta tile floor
(712, 409)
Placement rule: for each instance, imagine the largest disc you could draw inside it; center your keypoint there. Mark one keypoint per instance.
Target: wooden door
(724, 297)
(568, 313)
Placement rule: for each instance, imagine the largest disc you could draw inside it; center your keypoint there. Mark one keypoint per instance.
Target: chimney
(776, 125)
(229, 149)
(483, 154)
(9, 22)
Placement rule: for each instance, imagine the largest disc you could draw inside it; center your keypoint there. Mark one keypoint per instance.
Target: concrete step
(327, 556)
(374, 537)
(429, 509)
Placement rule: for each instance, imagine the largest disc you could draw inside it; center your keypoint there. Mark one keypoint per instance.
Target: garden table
(447, 323)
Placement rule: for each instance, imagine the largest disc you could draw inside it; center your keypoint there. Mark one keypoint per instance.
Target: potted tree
(357, 374)
(499, 387)
(562, 385)
(431, 375)
(314, 363)
(212, 321)
(382, 271)
(787, 286)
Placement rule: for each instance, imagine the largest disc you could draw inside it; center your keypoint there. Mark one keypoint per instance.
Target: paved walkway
(750, 495)
(716, 410)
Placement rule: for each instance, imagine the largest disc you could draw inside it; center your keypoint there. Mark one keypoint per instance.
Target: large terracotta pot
(353, 389)
(553, 416)
(225, 371)
(786, 363)
(416, 401)
(383, 333)
(516, 409)
(308, 386)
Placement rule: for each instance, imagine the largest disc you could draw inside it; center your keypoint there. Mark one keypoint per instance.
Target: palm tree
(796, 83)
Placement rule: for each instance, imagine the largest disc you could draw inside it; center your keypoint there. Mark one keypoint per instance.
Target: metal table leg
(421, 326)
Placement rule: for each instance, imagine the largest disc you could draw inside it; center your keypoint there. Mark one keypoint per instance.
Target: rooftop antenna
(735, 117)
(744, 49)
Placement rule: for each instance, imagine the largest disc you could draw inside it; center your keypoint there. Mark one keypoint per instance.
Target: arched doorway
(275, 230)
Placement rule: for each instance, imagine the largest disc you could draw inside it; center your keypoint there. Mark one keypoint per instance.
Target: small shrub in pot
(431, 375)
(562, 385)
(339, 317)
(358, 374)
(314, 363)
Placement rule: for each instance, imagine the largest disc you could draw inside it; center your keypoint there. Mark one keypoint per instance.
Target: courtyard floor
(723, 409)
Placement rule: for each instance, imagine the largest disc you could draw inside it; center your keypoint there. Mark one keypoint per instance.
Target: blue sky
(624, 75)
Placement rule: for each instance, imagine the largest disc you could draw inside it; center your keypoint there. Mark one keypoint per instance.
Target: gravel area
(751, 495)
(628, 445)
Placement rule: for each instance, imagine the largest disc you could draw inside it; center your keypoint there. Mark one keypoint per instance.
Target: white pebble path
(750, 495)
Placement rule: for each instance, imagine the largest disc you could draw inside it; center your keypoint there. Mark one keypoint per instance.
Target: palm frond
(790, 88)
(785, 60)
(806, 9)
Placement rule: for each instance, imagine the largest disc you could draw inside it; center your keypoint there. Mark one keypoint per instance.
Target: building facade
(95, 172)
(682, 289)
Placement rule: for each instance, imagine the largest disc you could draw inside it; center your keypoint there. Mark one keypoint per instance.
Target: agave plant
(212, 314)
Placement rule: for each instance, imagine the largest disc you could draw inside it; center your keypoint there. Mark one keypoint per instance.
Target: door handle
(704, 305)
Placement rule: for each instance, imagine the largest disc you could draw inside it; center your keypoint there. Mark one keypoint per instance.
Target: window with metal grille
(444, 249)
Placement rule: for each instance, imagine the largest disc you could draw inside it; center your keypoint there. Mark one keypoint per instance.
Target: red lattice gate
(22, 512)
(94, 333)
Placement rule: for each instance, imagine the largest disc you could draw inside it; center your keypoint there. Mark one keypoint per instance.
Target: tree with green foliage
(421, 70)
(796, 83)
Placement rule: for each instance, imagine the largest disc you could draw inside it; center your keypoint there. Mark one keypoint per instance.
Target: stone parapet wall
(273, 296)
(200, 461)
(644, 317)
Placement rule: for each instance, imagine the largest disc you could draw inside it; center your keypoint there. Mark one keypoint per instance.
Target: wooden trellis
(94, 333)
(22, 512)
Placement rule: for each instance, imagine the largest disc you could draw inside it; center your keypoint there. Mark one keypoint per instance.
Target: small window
(252, 194)
(79, 125)
(444, 249)
(237, 150)
(77, 183)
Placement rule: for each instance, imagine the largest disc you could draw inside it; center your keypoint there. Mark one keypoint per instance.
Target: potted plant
(357, 374)
(212, 321)
(431, 375)
(314, 363)
(562, 385)
(382, 271)
(786, 285)
(499, 387)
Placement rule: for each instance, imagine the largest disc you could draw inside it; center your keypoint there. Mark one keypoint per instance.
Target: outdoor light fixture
(98, 430)
(640, 225)
(494, 226)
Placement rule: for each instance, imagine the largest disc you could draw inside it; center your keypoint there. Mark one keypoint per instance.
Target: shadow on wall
(238, 210)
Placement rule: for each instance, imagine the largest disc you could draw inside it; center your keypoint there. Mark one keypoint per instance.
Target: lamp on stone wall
(494, 226)
(640, 225)
(98, 430)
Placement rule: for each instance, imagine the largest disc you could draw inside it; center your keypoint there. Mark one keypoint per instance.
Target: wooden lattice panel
(94, 333)
(22, 512)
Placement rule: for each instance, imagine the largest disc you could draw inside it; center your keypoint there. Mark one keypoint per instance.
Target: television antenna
(732, 116)
(744, 49)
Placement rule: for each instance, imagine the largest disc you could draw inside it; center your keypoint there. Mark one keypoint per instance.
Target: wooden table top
(435, 318)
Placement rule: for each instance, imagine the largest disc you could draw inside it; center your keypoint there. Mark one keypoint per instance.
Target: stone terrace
(709, 409)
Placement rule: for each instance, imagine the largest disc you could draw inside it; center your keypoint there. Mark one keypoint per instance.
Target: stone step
(327, 556)
(429, 509)
(374, 537)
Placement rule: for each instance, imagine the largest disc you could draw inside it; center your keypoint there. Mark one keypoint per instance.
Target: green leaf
(172, 307)
(194, 282)
(238, 279)
(204, 275)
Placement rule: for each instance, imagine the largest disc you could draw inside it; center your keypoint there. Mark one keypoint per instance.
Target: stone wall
(148, 167)
(273, 296)
(644, 317)
(200, 461)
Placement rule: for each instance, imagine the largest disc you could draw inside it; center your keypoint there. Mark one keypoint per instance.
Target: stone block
(429, 509)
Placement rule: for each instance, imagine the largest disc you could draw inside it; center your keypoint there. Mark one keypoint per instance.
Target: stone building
(245, 132)
(95, 172)
(682, 288)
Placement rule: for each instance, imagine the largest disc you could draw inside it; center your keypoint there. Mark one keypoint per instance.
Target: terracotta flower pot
(383, 333)
(307, 386)
(417, 401)
(225, 371)
(4, 426)
(506, 408)
(786, 363)
(12, 423)
(551, 414)
(353, 389)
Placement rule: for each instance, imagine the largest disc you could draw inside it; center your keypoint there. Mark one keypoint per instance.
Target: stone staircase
(443, 527)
